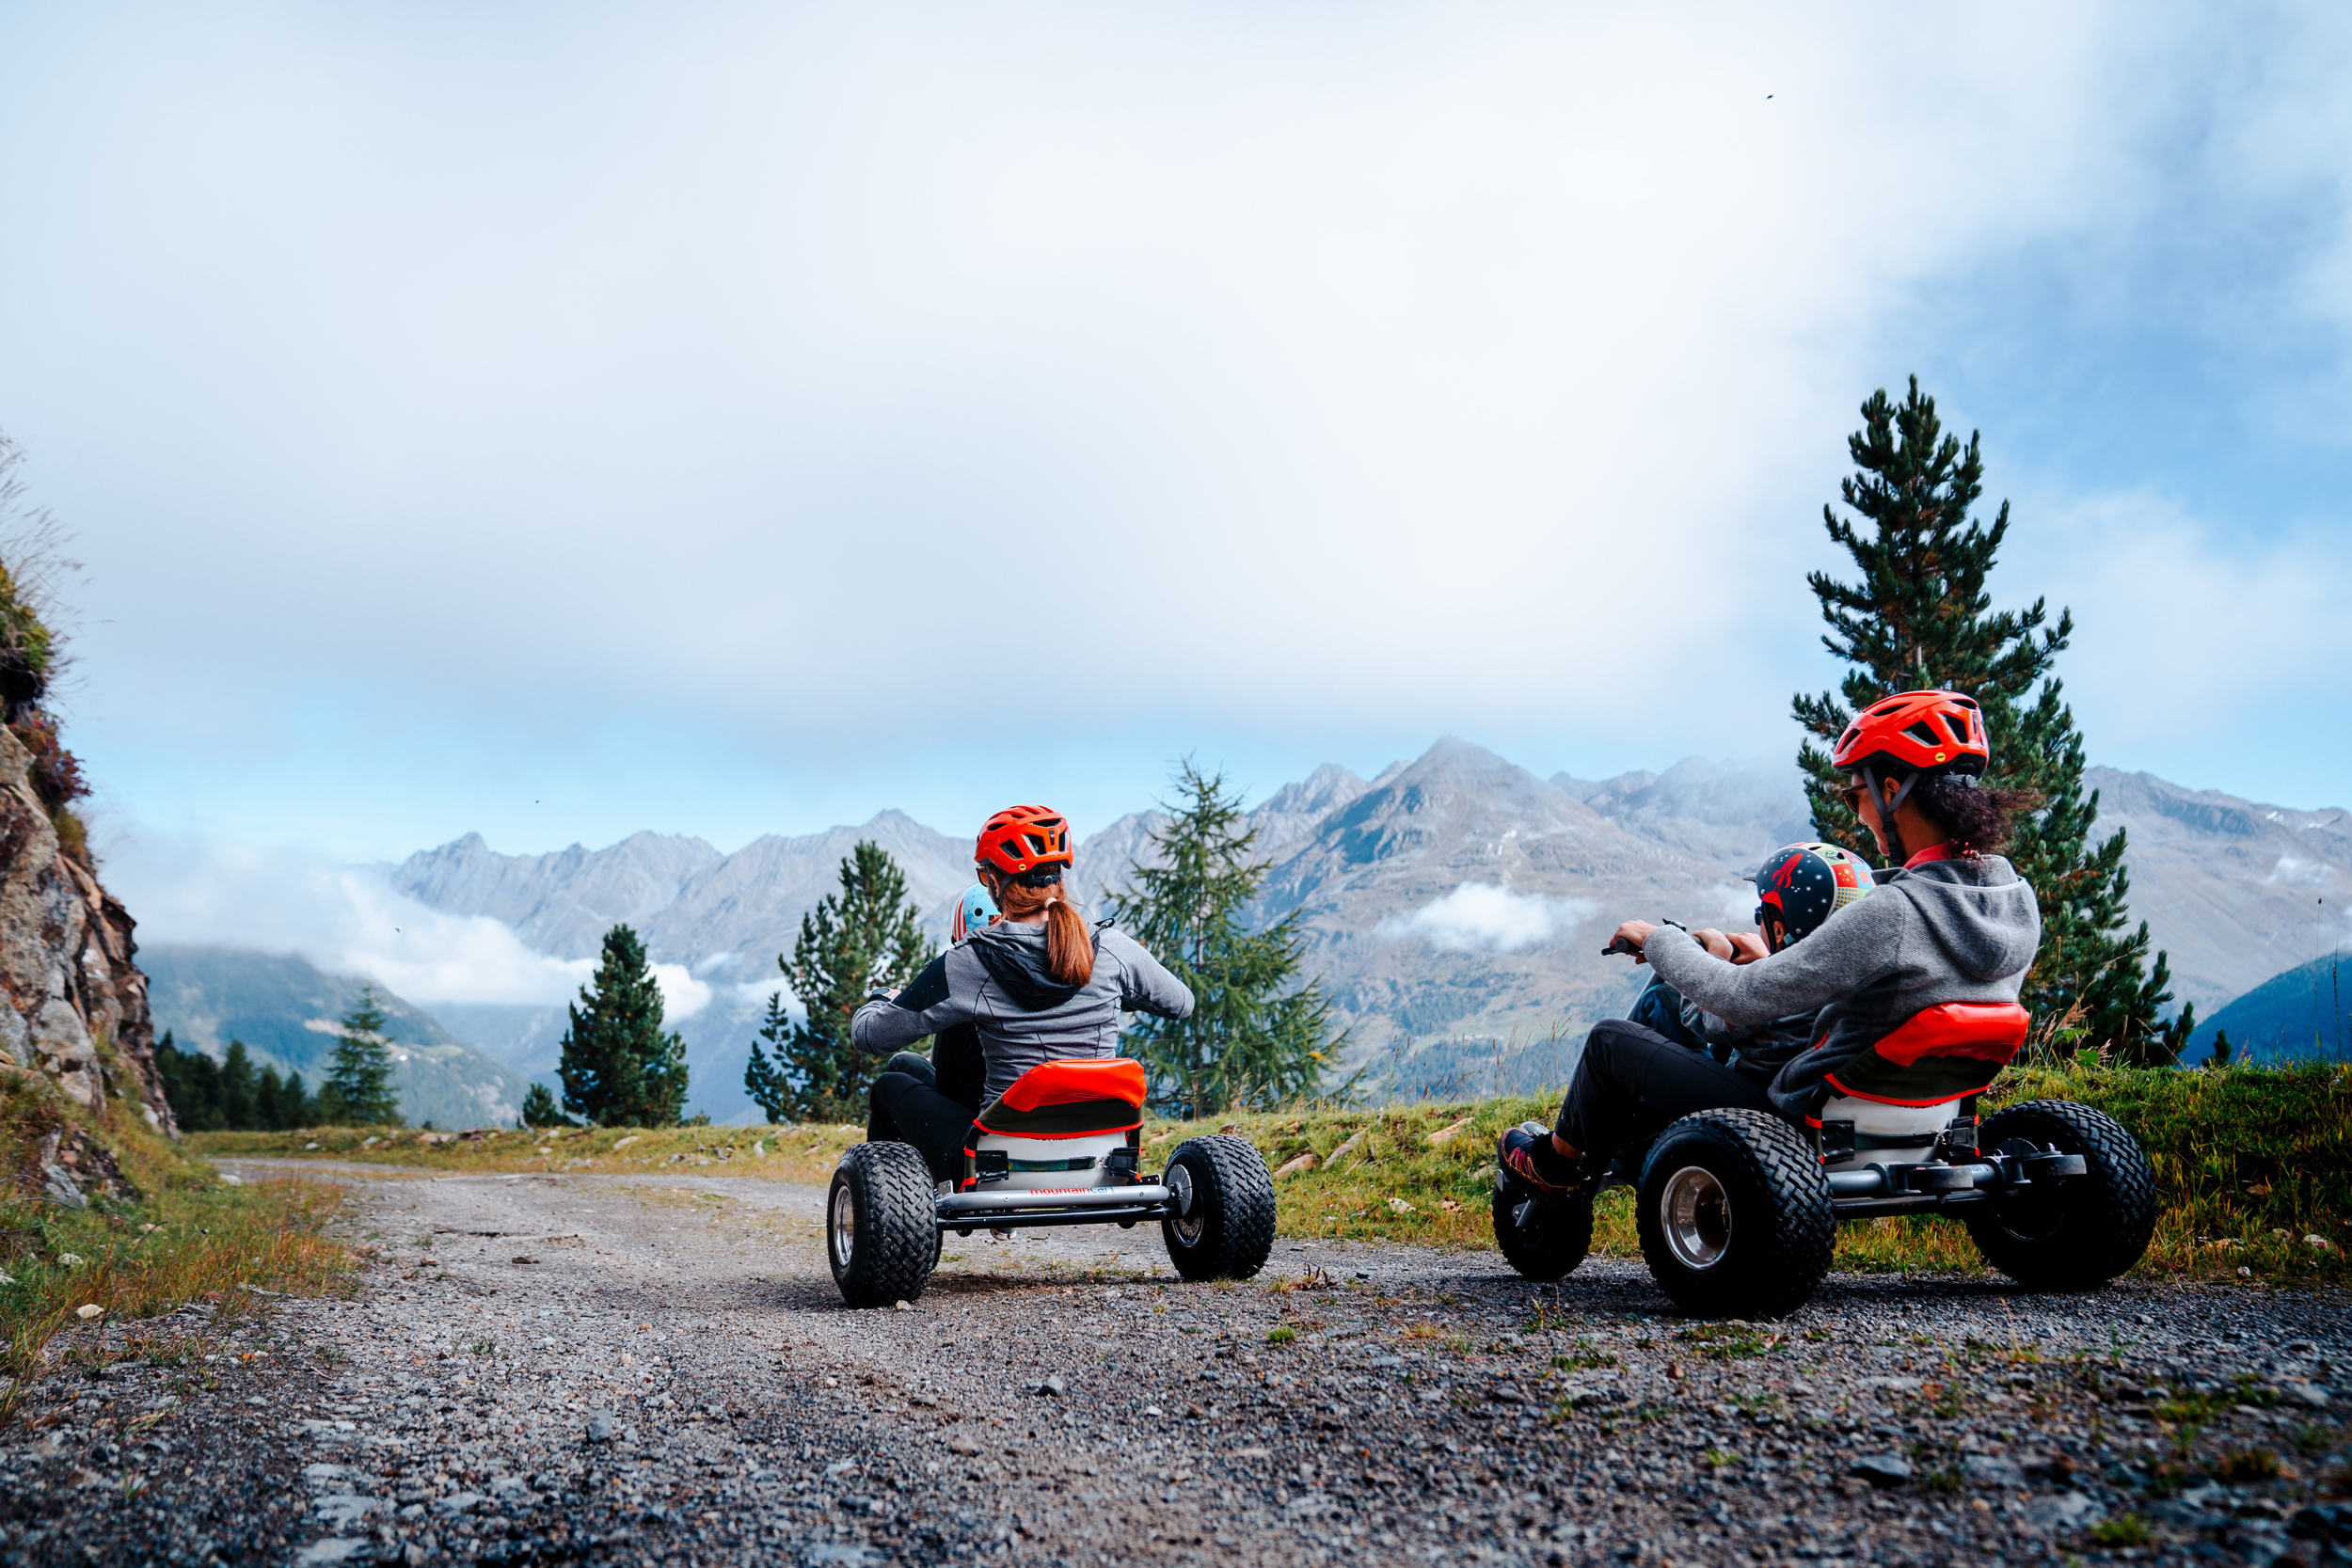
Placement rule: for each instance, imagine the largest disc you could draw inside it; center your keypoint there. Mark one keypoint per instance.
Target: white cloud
(1415, 326)
(682, 995)
(2296, 872)
(347, 920)
(2174, 620)
(1481, 917)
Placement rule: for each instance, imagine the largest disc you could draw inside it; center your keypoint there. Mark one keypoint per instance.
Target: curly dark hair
(1977, 821)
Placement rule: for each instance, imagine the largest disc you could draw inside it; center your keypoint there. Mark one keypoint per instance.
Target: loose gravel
(626, 1369)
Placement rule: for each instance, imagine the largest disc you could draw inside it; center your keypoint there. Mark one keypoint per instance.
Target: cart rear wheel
(2074, 1234)
(880, 1236)
(1223, 1228)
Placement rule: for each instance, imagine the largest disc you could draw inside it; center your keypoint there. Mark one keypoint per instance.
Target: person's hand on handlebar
(1742, 948)
(1629, 938)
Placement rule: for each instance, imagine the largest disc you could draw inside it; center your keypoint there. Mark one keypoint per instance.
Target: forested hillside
(286, 1011)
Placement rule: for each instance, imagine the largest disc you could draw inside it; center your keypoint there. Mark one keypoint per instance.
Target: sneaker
(1525, 1154)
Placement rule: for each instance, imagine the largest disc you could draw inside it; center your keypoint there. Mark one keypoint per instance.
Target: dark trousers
(1631, 1082)
(907, 1107)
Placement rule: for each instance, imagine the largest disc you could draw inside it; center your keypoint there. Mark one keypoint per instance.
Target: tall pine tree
(359, 1088)
(1920, 618)
(1256, 1035)
(867, 934)
(618, 1069)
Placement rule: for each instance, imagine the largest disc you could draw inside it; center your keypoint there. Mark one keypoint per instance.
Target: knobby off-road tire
(2074, 1234)
(1224, 1227)
(880, 1234)
(1543, 1238)
(1734, 1215)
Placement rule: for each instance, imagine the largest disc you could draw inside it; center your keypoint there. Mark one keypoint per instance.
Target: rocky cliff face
(76, 1005)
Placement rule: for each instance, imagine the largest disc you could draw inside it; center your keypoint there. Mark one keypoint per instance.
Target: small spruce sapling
(540, 1110)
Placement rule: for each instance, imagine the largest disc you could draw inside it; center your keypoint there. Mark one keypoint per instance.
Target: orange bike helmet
(1022, 840)
(1916, 732)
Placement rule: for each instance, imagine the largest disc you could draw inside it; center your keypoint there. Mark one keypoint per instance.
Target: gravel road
(657, 1369)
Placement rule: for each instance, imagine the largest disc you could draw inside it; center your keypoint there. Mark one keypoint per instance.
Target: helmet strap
(1886, 810)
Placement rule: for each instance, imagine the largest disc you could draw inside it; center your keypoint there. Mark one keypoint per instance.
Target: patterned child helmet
(1022, 840)
(975, 910)
(1806, 884)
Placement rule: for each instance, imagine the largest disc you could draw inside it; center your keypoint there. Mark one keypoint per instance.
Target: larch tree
(868, 933)
(1918, 618)
(1256, 1035)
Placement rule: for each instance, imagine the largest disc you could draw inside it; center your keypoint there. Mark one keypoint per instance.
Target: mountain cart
(1738, 1210)
(1060, 1146)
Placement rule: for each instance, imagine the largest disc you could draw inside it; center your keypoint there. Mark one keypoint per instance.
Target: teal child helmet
(974, 911)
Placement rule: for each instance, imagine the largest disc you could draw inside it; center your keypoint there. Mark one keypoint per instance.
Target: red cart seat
(1073, 1098)
(1939, 1055)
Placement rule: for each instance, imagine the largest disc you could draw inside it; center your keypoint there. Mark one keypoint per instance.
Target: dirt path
(637, 1369)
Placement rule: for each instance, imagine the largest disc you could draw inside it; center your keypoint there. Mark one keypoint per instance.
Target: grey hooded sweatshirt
(1953, 931)
(996, 980)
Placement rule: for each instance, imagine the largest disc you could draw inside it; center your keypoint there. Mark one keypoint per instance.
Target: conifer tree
(764, 1079)
(540, 1110)
(191, 1084)
(1920, 618)
(359, 1088)
(240, 1097)
(1256, 1035)
(618, 1069)
(867, 934)
(280, 1103)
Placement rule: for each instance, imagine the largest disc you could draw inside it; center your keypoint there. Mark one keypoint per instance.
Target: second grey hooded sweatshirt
(996, 980)
(1952, 930)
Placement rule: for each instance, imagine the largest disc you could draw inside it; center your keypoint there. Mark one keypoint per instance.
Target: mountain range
(1453, 898)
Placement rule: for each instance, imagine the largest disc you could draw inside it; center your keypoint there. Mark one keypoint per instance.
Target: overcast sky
(558, 420)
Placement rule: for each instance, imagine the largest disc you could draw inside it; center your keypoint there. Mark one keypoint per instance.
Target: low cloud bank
(347, 920)
(1483, 918)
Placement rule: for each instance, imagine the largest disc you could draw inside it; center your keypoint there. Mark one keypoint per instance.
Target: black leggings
(906, 1107)
(1631, 1082)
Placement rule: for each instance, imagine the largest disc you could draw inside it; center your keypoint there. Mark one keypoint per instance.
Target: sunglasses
(1852, 794)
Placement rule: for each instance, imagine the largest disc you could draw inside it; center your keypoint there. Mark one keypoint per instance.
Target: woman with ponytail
(1040, 984)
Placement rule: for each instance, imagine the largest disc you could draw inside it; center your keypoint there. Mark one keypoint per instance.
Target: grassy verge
(158, 1230)
(2249, 1161)
(799, 1153)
